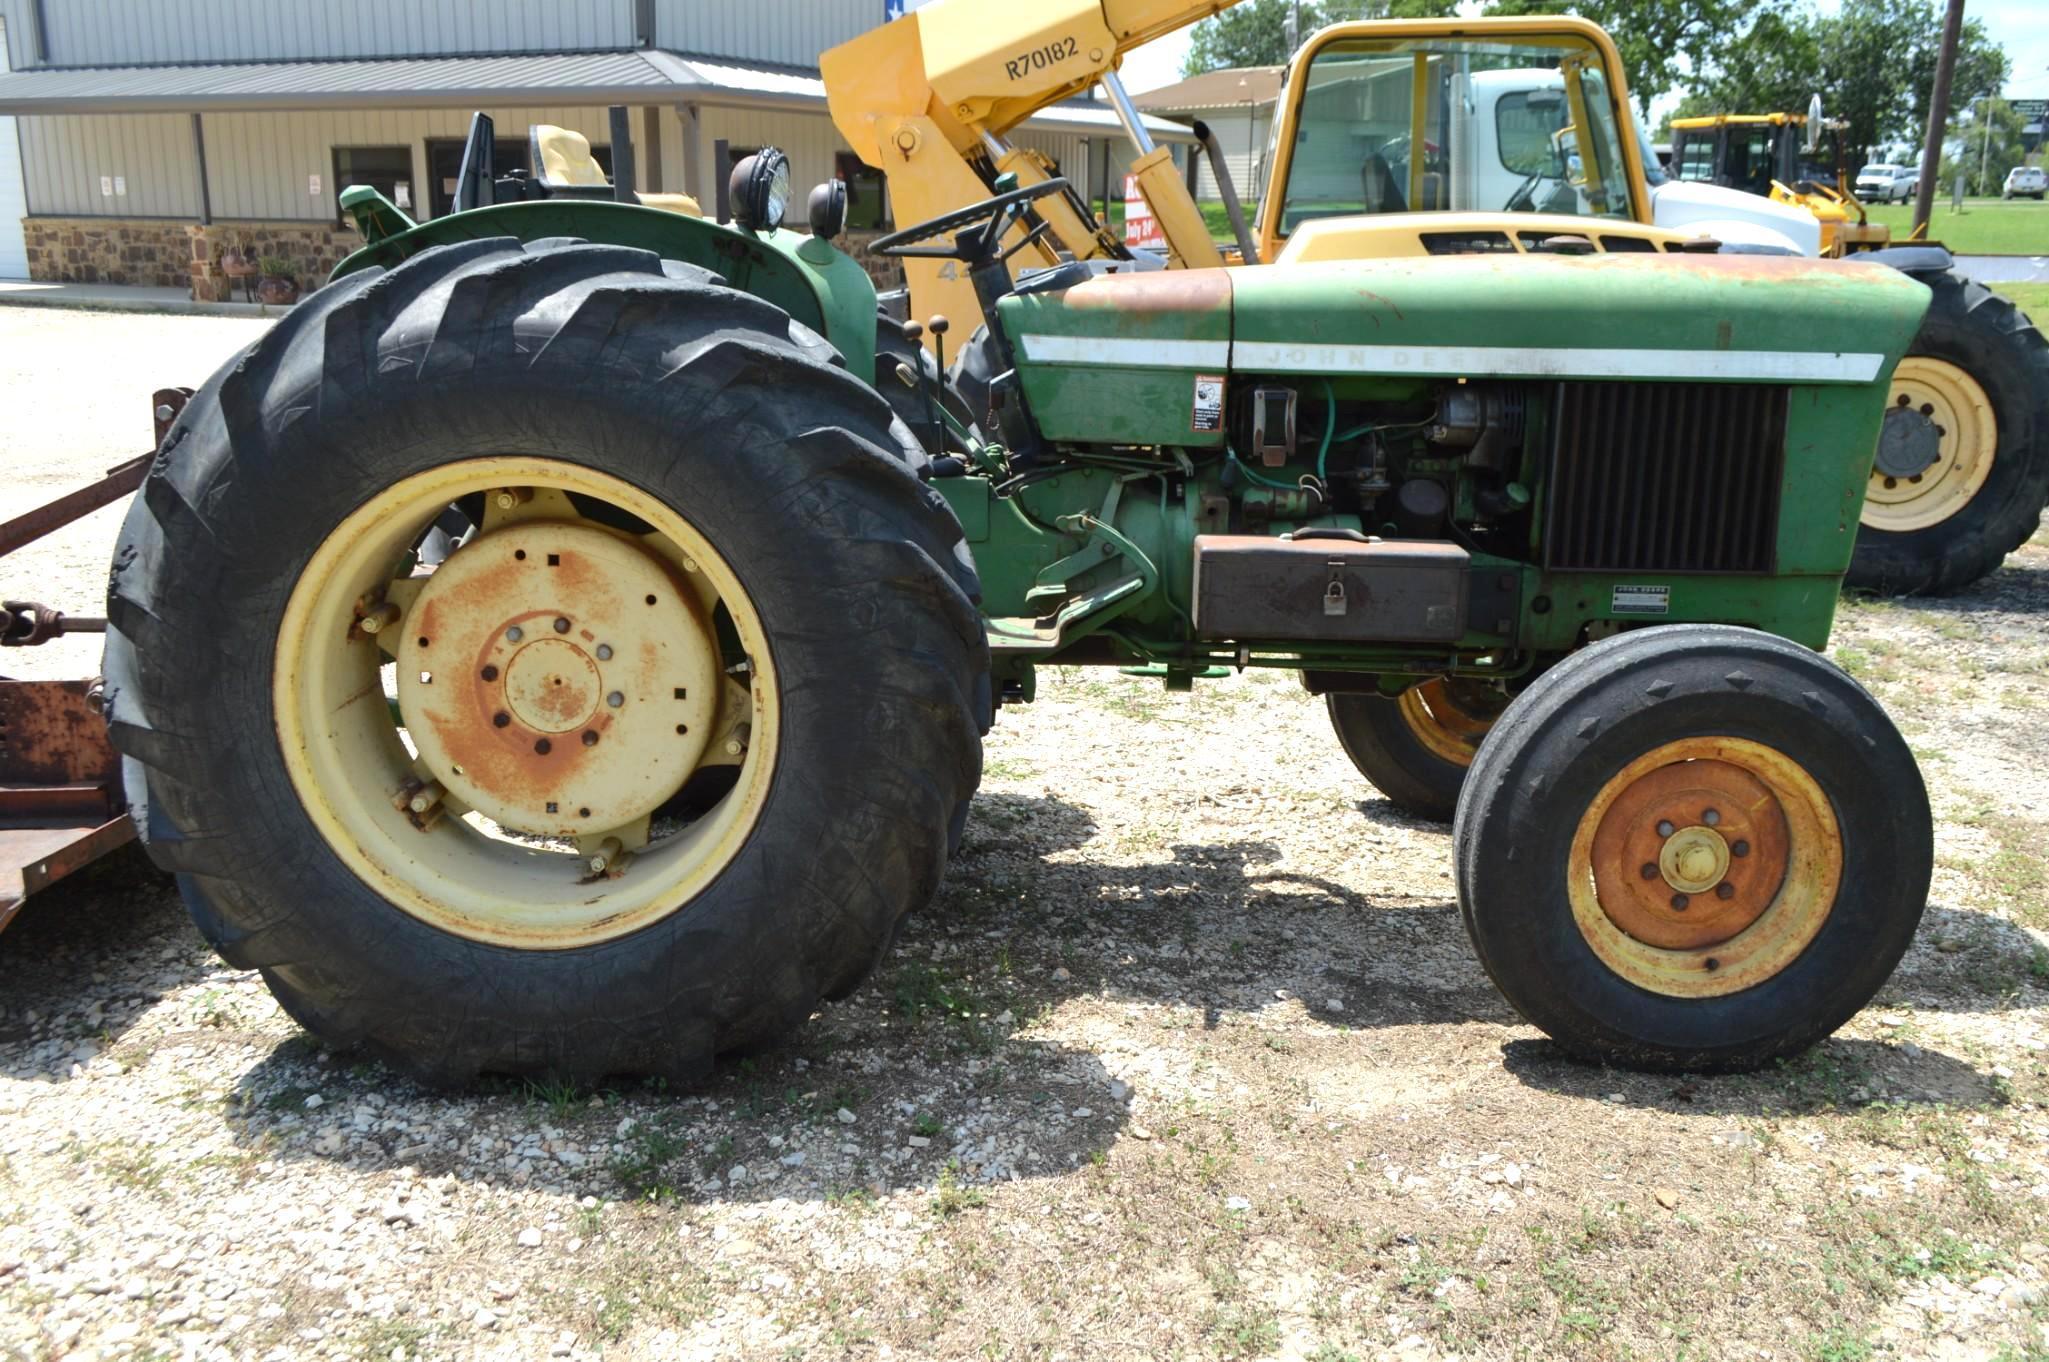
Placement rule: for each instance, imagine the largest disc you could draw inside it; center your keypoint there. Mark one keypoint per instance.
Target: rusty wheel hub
(1705, 866)
(557, 679)
(1690, 855)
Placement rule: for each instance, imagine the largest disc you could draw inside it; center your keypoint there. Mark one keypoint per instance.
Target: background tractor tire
(1989, 339)
(1408, 753)
(1812, 924)
(708, 401)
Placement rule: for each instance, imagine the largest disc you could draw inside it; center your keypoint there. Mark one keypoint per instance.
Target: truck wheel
(1416, 747)
(422, 802)
(1962, 468)
(1692, 847)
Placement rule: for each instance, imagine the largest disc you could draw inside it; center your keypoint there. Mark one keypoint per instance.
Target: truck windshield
(1521, 124)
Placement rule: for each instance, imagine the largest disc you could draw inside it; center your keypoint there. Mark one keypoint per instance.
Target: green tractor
(548, 650)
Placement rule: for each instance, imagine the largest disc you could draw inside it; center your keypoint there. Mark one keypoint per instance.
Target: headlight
(760, 190)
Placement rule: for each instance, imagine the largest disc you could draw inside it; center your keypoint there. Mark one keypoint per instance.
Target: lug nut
(543, 746)
(1679, 902)
(561, 625)
(1650, 870)
(1711, 817)
(500, 719)
(490, 673)
(514, 634)
(426, 797)
(605, 856)
(604, 652)
(377, 616)
(1741, 848)
(615, 699)
(590, 737)
(1665, 828)
(737, 742)
(690, 565)
(510, 498)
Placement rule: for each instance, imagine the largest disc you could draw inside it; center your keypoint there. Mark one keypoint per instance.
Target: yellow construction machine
(1789, 158)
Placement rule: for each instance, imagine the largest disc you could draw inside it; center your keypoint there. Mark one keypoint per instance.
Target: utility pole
(1938, 117)
(1294, 26)
(1984, 142)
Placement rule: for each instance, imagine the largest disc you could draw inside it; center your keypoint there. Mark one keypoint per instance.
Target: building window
(867, 202)
(388, 170)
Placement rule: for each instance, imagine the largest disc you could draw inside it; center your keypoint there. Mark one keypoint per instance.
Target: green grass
(2033, 300)
(1986, 227)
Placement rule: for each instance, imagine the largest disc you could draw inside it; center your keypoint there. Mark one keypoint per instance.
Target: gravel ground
(1190, 1059)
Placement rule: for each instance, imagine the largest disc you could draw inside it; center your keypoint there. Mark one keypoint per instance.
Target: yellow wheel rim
(1705, 867)
(1449, 726)
(561, 678)
(1935, 450)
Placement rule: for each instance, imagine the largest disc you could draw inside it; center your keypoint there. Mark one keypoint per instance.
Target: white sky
(2021, 25)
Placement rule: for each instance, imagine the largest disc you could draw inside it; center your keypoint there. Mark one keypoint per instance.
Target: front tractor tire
(647, 767)
(1962, 467)
(1693, 847)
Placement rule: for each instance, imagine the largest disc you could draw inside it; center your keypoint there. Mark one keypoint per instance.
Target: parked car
(1887, 183)
(2030, 180)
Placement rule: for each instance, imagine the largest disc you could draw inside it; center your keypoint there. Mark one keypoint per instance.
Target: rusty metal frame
(62, 805)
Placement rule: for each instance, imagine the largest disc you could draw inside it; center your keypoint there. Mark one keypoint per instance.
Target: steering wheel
(999, 212)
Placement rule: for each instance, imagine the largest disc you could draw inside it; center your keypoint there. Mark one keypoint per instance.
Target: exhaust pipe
(1232, 208)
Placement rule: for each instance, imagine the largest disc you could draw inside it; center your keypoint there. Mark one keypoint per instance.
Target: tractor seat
(563, 162)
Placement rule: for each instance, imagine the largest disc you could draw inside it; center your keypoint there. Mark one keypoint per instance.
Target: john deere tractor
(549, 650)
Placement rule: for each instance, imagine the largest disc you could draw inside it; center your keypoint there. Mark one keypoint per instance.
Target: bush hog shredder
(61, 800)
(552, 649)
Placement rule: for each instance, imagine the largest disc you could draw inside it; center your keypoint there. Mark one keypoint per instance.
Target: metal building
(152, 134)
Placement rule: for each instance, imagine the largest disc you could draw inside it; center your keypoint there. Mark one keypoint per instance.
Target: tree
(1256, 33)
(1660, 40)
(1878, 68)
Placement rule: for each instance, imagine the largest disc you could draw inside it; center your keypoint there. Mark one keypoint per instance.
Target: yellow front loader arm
(928, 98)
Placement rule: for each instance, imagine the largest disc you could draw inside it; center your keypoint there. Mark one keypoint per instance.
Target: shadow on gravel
(937, 1046)
(1839, 1075)
(1035, 912)
(88, 956)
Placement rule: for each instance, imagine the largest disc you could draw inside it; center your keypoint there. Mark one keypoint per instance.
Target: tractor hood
(1152, 358)
(1733, 216)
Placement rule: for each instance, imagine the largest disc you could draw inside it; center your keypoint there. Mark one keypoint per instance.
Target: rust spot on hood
(1154, 291)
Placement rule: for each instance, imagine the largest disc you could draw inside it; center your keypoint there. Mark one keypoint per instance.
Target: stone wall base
(168, 253)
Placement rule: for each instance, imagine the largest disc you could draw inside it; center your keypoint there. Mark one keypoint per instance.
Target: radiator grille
(1665, 477)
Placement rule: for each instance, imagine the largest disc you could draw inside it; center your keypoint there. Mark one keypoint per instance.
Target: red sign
(1140, 227)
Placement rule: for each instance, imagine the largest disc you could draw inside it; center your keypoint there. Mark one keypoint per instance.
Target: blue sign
(892, 9)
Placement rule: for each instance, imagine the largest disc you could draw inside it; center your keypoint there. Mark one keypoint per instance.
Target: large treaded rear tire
(1985, 335)
(709, 399)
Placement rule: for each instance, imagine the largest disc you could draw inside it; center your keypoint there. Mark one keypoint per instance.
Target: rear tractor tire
(645, 769)
(1962, 467)
(1416, 747)
(1692, 847)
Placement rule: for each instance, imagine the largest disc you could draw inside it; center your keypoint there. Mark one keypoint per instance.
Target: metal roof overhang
(555, 78)
(408, 83)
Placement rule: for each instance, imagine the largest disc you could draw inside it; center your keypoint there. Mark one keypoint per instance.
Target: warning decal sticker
(1209, 402)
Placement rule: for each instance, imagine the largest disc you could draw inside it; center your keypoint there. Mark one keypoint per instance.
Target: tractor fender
(816, 283)
(1918, 261)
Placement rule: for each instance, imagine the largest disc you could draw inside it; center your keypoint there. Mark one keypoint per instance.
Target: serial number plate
(1641, 600)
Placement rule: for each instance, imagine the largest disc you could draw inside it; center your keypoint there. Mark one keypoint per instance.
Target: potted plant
(277, 287)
